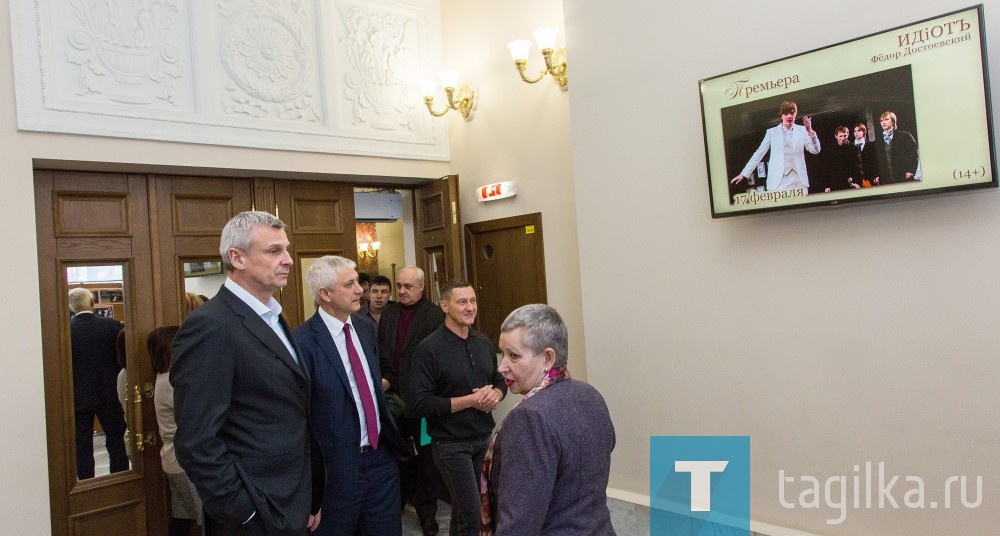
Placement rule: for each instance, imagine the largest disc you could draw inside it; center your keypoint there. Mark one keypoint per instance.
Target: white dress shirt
(336, 328)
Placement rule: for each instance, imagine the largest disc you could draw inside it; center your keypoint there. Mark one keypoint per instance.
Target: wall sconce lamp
(461, 99)
(368, 250)
(555, 60)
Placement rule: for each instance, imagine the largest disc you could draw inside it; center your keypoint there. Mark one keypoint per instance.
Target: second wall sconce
(369, 250)
(460, 99)
(555, 60)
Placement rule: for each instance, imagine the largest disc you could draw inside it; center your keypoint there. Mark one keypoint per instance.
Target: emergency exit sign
(497, 190)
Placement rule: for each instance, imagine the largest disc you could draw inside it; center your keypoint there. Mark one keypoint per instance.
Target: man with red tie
(356, 434)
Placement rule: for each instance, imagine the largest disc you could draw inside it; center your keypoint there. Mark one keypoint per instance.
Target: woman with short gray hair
(547, 467)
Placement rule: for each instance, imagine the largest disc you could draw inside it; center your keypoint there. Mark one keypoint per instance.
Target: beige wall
(872, 335)
(519, 132)
(896, 367)
(393, 242)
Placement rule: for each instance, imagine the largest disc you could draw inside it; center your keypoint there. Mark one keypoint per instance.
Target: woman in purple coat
(546, 470)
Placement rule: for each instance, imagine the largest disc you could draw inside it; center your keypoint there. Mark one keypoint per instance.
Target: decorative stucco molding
(310, 75)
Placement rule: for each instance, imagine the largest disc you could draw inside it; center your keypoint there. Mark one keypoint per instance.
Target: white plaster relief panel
(376, 52)
(310, 75)
(269, 54)
(122, 52)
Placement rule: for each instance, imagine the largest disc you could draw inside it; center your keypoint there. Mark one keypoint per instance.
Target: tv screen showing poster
(900, 113)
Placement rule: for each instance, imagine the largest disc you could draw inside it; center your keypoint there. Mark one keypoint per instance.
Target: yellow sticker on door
(529, 229)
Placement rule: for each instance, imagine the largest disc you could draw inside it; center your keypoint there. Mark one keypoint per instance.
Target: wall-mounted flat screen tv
(899, 113)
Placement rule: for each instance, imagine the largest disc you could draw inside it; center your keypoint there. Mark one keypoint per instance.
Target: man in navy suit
(869, 156)
(241, 395)
(356, 433)
(95, 372)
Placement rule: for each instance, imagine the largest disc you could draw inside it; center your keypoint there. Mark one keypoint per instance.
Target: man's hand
(488, 399)
(313, 522)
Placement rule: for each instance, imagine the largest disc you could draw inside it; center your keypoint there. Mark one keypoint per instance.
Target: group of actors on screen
(276, 431)
(859, 163)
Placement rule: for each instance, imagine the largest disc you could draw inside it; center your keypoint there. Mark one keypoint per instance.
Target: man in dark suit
(869, 158)
(359, 439)
(403, 325)
(241, 395)
(898, 158)
(843, 162)
(95, 372)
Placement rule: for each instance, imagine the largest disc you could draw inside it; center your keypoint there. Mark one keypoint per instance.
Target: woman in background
(546, 470)
(184, 501)
(191, 302)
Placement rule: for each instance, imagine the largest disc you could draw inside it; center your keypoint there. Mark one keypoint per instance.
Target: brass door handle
(142, 440)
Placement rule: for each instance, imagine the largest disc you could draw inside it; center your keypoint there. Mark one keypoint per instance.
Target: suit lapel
(370, 345)
(263, 332)
(324, 341)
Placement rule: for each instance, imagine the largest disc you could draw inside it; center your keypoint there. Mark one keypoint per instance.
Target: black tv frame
(919, 71)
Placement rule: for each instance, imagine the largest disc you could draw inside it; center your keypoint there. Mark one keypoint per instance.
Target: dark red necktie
(371, 417)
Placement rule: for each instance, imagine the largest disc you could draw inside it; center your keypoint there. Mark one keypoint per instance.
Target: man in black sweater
(455, 384)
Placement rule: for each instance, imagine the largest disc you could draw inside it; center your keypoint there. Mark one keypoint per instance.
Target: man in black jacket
(898, 157)
(241, 395)
(95, 373)
(401, 328)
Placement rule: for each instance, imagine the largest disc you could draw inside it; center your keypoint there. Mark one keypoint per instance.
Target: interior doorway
(506, 267)
(162, 232)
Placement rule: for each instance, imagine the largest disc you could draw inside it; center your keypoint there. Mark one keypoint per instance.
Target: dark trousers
(460, 462)
(254, 527)
(112, 420)
(419, 478)
(363, 500)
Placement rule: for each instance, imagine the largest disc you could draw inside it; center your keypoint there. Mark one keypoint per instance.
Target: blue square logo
(699, 486)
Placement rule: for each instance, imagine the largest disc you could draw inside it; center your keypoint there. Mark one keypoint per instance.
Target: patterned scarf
(555, 375)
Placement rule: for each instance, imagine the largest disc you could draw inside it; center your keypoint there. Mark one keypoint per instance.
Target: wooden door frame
(58, 247)
(437, 224)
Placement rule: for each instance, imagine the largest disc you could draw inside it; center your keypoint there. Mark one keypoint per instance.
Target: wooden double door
(148, 229)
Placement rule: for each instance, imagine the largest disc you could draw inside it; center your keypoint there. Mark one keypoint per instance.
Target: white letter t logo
(701, 481)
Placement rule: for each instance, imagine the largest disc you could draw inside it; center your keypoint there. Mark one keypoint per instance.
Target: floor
(628, 519)
(411, 526)
(102, 462)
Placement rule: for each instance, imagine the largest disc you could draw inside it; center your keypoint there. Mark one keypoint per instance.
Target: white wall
(873, 334)
(519, 132)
